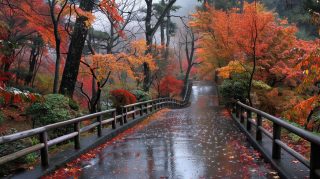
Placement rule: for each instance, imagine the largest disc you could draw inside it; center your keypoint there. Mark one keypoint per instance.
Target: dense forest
(270, 48)
(296, 11)
(62, 59)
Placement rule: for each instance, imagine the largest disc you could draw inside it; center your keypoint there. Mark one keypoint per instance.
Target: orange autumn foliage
(121, 97)
(228, 36)
(301, 111)
(311, 80)
(230, 39)
(129, 63)
(170, 86)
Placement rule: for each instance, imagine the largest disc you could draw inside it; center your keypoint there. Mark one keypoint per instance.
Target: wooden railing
(130, 111)
(277, 144)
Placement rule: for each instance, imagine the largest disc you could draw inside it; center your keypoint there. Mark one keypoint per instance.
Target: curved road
(200, 141)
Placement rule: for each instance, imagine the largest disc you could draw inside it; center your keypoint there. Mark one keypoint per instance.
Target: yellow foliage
(233, 66)
(129, 63)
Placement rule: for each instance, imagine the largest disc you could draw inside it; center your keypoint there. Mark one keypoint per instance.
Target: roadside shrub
(141, 95)
(37, 111)
(55, 108)
(12, 147)
(233, 89)
(73, 105)
(30, 158)
(170, 86)
(121, 97)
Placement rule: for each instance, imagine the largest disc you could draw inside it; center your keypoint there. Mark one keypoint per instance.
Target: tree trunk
(6, 64)
(111, 42)
(32, 64)
(150, 31)
(149, 40)
(36, 69)
(162, 35)
(185, 82)
(254, 50)
(166, 56)
(57, 66)
(58, 56)
(162, 27)
(147, 77)
(251, 80)
(95, 105)
(71, 69)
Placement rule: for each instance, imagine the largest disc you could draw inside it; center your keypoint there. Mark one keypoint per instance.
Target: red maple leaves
(122, 97)
(170, 86)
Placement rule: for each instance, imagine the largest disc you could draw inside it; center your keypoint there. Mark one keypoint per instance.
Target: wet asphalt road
(200, 141)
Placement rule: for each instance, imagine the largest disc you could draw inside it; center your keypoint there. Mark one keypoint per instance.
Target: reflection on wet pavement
(200, 141)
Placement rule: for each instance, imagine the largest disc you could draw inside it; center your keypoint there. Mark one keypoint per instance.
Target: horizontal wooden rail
(277, 144)
(62, 138)
(89, 127)
(267, 133)
(21, 153)
(143, 108)
(297, 155)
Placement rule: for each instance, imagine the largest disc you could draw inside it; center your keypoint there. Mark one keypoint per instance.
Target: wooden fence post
(99, 127)
(141, 110)
(125, 117)
(77, 138)
(258, 131)
(134, 112)
(249, 116)
(122, 116)
(237, 110)
(152, 106)
(241, 114)
(44, 151)
(147, 109)
(276, 149)
(114, 122)
(314, 160)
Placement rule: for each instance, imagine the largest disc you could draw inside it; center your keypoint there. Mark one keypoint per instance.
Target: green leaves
(56, 108)
(234, 89)
(141, 95)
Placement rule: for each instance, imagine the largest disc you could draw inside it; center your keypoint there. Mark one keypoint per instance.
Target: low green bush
(233, 89)
(30, 158)
(55, 108)
(73, 105)
(11, 147)
(141, 95)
